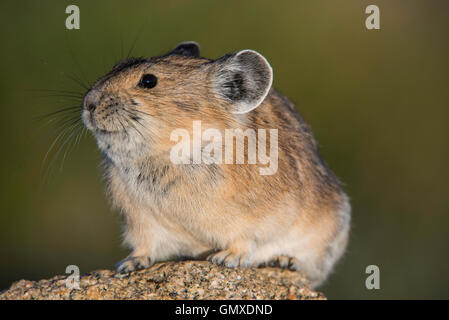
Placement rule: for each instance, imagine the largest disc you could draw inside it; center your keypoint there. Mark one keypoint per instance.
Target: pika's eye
(148, 81)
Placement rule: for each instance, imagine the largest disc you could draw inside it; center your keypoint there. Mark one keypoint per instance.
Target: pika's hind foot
(134, 263)
(283, 262)
(313, 273)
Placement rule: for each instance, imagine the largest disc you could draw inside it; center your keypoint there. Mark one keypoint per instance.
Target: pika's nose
(91, 107)
(91, 100)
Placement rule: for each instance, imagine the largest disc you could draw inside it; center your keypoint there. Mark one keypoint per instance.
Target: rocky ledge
(172, 280)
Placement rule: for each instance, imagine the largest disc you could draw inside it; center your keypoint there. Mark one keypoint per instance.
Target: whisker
(63, 95)
(71, 109)
(77, 64)
(74, 131)
(121, 46)
(61, 119)
(132, 124)
(142, 112)
(124, 128)
(58, 123)
(71, 99)
(61, 134)
(61, 91)
(81, 136)
(135, 41)
(78, 81)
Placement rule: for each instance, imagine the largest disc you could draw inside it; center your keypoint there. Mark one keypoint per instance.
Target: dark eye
(148, 81)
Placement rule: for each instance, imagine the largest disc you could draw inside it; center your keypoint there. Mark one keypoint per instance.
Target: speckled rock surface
(172, 280)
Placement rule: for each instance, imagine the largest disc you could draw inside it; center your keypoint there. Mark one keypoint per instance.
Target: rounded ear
(244, 79)
(187, 48)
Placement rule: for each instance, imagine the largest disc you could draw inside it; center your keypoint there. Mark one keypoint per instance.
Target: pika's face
(140, 101)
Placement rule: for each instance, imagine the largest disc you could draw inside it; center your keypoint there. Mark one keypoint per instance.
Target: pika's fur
(298, 217)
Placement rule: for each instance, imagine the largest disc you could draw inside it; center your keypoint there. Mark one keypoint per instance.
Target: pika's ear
(244, 79)
(187, 48)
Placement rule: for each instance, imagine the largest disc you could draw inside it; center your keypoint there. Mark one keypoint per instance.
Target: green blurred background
(376, 100)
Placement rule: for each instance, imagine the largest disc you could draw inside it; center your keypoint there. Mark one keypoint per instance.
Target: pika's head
(140, 101)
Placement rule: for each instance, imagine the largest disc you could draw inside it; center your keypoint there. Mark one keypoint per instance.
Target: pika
(296, 218)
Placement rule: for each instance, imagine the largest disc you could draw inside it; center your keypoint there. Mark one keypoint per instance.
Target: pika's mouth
(120, 121)
(88, 120)
(91, 124)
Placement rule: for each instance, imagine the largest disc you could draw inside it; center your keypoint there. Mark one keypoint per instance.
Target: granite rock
(172, 280)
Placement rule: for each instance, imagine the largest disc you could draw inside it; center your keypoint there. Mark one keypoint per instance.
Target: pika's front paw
(230, 259)
(134, 263)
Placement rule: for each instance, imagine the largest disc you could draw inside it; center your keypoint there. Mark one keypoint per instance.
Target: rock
(172, 280)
